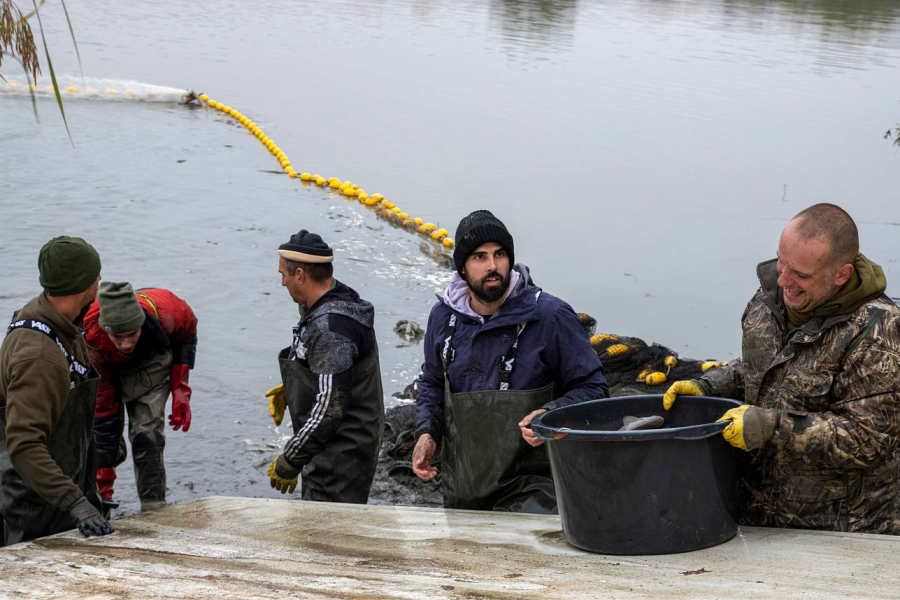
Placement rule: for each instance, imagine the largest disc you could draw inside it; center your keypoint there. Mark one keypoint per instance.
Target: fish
(563, 432)
(635, 423)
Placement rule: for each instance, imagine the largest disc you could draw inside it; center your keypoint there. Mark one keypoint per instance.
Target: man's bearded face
(487, 272)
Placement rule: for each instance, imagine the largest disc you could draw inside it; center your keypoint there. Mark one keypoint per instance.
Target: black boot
(149, 468)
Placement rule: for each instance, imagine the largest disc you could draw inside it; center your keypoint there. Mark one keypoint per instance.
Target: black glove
(107, 506)
(88, 520)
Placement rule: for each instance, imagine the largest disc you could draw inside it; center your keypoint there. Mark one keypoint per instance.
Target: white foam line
(109, 90)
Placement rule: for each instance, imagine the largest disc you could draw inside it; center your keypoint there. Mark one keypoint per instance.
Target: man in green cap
(818, 377)
(47, 396)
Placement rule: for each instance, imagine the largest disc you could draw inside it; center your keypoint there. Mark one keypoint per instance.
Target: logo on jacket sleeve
(298, 348)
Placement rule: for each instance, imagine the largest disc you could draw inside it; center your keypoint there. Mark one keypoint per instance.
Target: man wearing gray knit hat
(143, 344)
(47, 396)
(120, 311)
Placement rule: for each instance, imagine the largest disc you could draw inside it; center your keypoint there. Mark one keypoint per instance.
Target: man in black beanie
(331, 381)
(47, 395)
(498, 352)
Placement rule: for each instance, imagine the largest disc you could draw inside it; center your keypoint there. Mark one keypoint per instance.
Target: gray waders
(485, 463)
(26, 516)
(344, 470)
(144, 391)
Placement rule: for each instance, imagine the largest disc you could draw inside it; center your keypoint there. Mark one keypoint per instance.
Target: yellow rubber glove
(277, 403)
(750, 426)
(282, 476)
(687, 387)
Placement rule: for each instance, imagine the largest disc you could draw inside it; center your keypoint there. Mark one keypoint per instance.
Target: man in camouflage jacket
(820, 376)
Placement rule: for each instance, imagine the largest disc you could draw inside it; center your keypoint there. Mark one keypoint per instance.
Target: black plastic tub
(658, 491)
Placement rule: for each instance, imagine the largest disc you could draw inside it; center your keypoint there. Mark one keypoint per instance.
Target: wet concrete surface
(220, 547)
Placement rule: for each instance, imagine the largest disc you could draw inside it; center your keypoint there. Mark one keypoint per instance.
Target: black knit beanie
(479, 228)
(305, 246)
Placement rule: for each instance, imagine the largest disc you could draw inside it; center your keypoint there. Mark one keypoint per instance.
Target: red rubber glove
(181, 398)
(106, 477)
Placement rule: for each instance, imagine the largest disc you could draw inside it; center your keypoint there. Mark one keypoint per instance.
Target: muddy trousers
(144, 394)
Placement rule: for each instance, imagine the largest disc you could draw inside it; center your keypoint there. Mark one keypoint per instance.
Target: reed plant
(17, 42)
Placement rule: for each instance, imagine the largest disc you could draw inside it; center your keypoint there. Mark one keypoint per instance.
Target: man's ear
(843, 274)
(301, 275)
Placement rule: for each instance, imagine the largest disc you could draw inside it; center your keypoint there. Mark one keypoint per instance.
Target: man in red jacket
(143, 344)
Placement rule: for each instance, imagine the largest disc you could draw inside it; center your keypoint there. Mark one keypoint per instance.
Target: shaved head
(832, 223)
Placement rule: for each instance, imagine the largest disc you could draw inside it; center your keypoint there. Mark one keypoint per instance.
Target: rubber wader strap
(506, 364)
(877, 315)
(75, 367)
(448, 353)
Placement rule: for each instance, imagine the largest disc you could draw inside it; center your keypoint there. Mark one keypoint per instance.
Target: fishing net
(631, 363)
(634, 367)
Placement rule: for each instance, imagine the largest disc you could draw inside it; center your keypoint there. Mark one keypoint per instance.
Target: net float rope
(348, 189)
(132, 90)
(71, 89)
(96, 90)
(102, 89)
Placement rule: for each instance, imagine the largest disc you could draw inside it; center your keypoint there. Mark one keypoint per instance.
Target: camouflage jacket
(833, 463)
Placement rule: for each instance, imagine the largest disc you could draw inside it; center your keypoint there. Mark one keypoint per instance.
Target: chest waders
(144, 386)
(485, 463)
(25, 514)
(344, 470)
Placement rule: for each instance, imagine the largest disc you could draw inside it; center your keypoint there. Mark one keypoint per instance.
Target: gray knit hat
(68, 266)
(120, 311)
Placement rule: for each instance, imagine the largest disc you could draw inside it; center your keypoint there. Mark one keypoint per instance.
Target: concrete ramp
(224, 548)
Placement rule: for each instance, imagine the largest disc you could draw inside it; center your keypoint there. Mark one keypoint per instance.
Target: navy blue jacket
(553, 348)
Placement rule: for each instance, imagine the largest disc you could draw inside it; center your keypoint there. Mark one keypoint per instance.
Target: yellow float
(347, 188)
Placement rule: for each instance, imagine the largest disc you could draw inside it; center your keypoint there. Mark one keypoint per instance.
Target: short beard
(489, 295)
(79, 320)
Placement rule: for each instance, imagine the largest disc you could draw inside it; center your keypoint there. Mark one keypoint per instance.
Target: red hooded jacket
(170, 324)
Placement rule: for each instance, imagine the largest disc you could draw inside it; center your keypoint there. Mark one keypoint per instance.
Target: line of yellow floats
(74, 90)
(347, 188)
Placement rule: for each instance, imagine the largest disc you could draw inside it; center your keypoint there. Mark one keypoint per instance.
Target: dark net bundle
(632, 367)
(395, 483)
(588, 322)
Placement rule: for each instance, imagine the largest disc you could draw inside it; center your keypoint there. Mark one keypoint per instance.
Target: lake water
(645, 155)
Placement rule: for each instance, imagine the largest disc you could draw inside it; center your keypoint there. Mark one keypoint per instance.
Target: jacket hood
(456, 296)
(343, 300)
(768, 281)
